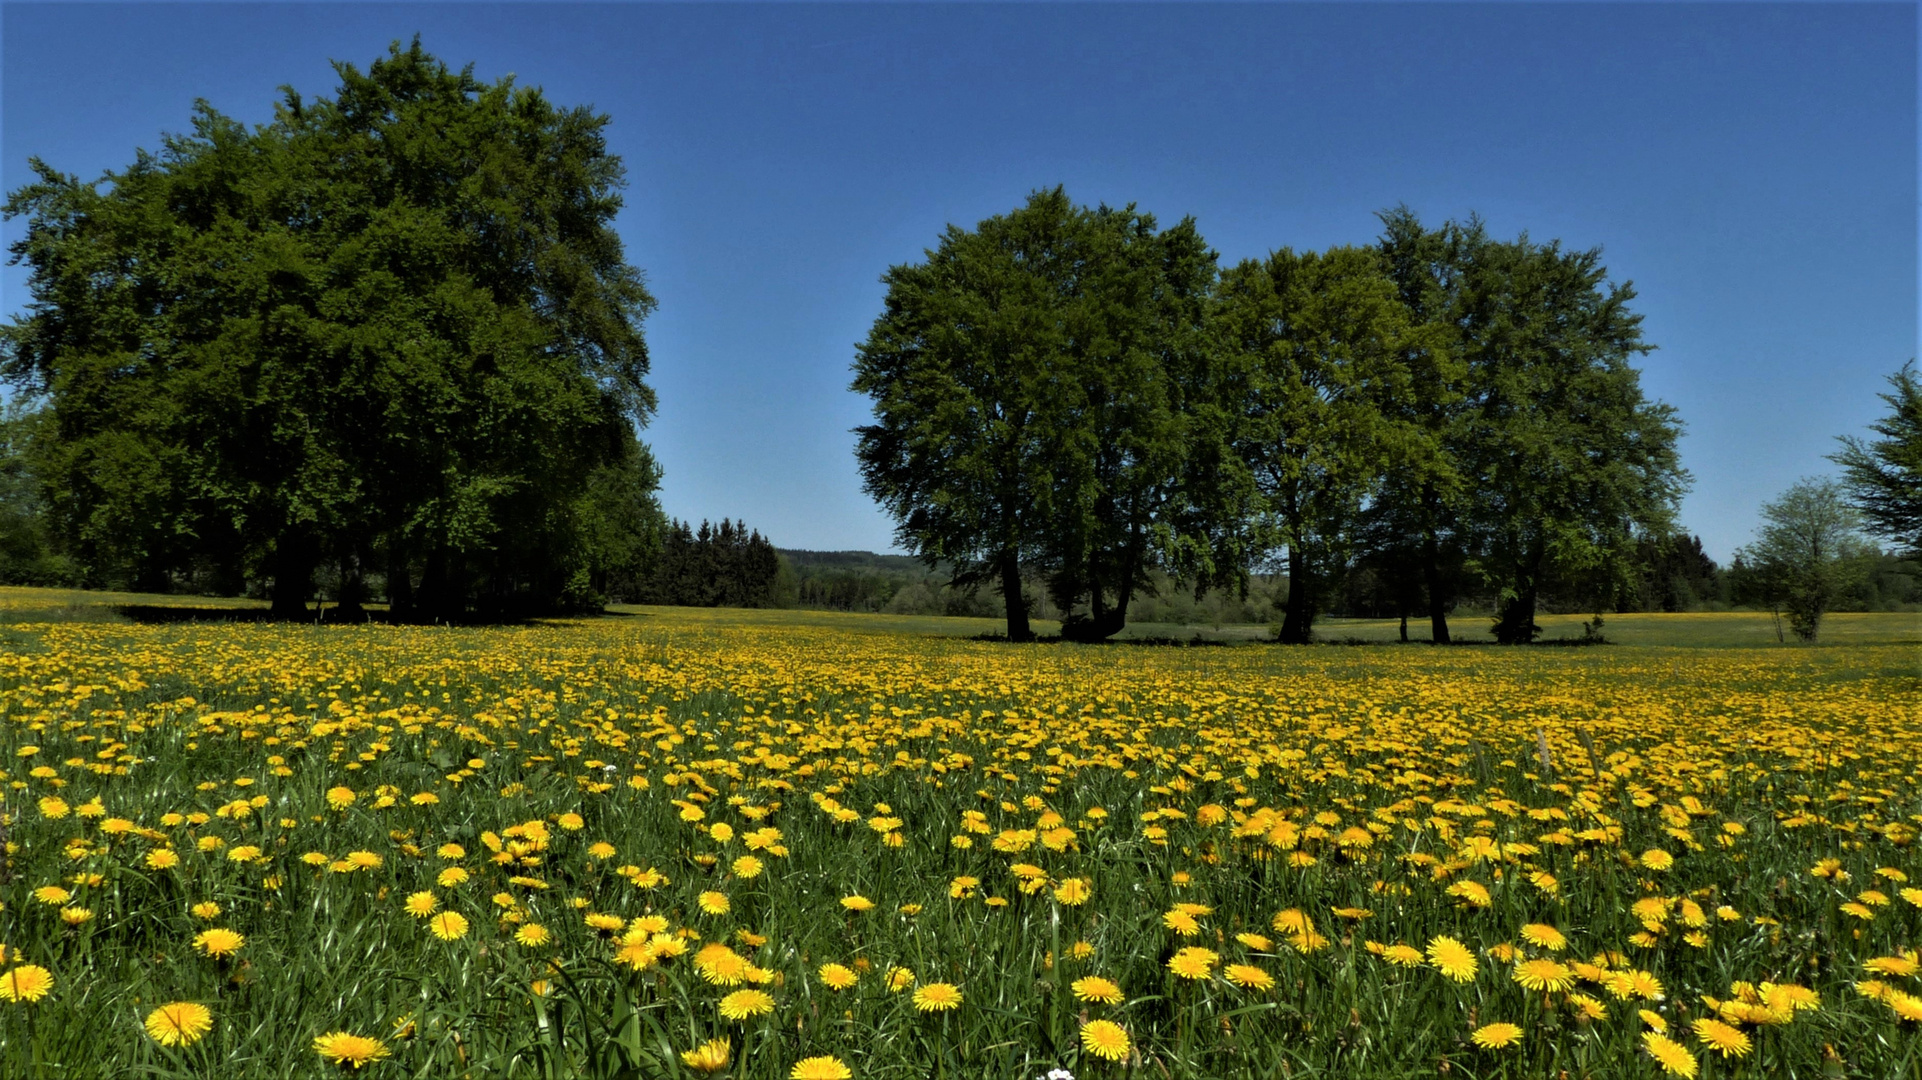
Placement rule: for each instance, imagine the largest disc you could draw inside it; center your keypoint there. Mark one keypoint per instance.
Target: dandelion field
(691, 843)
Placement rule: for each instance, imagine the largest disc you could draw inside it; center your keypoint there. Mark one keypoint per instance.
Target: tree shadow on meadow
(167, 614)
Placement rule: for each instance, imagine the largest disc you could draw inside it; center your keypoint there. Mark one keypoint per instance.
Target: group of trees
(388, 336)
(725, 565)
(1810, 551)
(1078, 396)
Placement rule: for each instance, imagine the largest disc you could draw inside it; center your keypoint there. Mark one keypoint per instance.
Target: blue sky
(1752, 168)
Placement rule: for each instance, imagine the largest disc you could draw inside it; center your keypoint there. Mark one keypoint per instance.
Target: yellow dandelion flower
(900, 979)
(448, 925)
(1106, 1039)
(1591, 1008)
(532, 935)
(711, 1056)
(1901, 966)
(937, 997)
(1452, 958)
(421, 904)
(714, 903)
(28, 982)
(825, 1067)
(452, 877)
(349, 1051)
(180, 1023)
(1098, 989)
(1495, 1036)
(1544, 936)
(1181, 923)
(1193, 962)
(838, 976)
(206, 909)
(1293, 921)
(1404, 955)
(1544, 975)
(746, 1004)
(857, 903)
(747, 867)
(218, 942)
(1248, 977)
(1906, 1006)
(1672, 1056)
(1073, 892)
(1724, 1039)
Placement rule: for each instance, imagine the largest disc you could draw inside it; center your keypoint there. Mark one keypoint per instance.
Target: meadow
(681, 843)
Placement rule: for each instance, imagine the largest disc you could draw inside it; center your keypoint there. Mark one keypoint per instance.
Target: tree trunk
(1437, 602)
(293, 577)
(353, 592)
(1018, 628)
(436, 599)
(400, 583)
(1298, 618)
(1516, 624)
(1404, 626)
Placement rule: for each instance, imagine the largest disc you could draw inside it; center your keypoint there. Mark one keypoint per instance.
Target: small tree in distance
(1798, 554)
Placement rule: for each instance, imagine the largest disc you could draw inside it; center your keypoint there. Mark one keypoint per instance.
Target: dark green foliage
(1572, 463)
(1045, 401)
(1883, 478)
(1672, 574)
(1548, 463)
(714, 566)
(1416, 540)
(391, 334)
(864, 581)
(1317, 341)
(27, 556)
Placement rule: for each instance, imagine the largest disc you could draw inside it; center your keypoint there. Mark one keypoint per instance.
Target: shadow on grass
(1151, 642)
(165, 614)
(1343, 642)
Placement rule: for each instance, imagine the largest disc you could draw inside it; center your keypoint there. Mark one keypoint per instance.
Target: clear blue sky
(1751, 167)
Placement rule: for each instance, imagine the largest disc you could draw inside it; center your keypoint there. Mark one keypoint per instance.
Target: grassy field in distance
(1688, 629)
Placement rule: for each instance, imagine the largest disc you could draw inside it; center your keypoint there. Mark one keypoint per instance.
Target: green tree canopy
(1043, 401)
(1570, 462)
(1802, 552)
(1318, 341)
(1883, 478)
(393, 329)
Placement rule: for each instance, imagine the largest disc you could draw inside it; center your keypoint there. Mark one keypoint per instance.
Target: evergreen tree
(1883, 478)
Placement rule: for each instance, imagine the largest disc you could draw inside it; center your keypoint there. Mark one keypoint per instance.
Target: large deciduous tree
(1570, 462)
(1414, 529)
(393, 330)
(1042, 398)
(1318, 342)
(1543, 461)
(1883, 478)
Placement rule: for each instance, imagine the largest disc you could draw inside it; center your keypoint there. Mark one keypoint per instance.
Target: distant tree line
(383, 346)
(725, 565)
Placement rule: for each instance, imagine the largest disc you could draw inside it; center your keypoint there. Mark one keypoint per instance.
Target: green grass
(786, 718)
(1681, 630)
